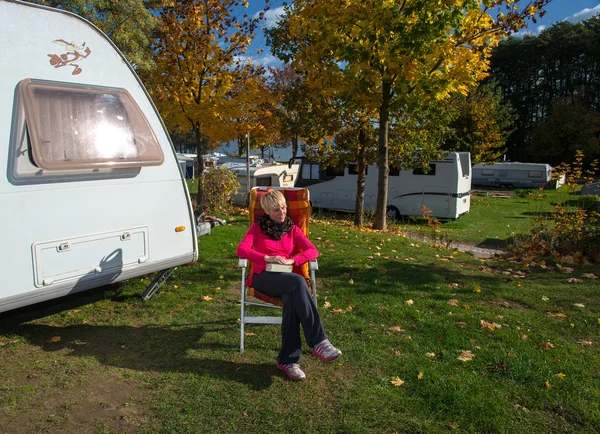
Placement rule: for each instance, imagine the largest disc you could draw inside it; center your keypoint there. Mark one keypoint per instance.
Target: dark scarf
(272, 229)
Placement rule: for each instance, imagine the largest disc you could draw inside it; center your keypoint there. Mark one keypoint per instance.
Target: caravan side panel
(67, 225)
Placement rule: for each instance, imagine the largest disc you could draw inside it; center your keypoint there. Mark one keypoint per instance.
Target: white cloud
(263, 59)
(271, 16)
(541, 28)
(584, 14)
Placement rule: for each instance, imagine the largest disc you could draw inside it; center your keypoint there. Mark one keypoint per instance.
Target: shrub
(589, 202)
(218, 184)
(522, 192)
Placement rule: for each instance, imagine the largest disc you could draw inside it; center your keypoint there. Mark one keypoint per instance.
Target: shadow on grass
(149, 349)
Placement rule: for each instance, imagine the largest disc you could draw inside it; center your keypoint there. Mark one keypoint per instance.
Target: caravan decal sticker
(74, 53)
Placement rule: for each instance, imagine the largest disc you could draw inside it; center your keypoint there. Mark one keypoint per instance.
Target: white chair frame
(249, 319)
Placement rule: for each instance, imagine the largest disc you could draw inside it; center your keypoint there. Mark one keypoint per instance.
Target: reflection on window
(80, 127)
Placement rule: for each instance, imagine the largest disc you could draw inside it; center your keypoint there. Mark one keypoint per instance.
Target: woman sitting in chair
(272, 239)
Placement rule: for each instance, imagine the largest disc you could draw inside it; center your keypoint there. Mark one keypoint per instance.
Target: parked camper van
(263, 175)
(445, 188)
(93, 192)
(515, 175)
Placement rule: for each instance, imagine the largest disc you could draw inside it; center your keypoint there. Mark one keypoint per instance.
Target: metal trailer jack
(157, 283)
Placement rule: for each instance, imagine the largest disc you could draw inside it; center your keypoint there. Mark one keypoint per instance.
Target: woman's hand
(279, 260)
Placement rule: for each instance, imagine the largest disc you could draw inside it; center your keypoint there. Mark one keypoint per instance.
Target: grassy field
(434, 340)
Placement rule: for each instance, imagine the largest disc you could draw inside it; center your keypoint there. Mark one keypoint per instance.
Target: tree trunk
(294, 146)
(382, 159)
(359, 207)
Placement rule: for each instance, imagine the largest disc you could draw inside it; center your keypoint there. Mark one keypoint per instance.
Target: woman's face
(278, 213)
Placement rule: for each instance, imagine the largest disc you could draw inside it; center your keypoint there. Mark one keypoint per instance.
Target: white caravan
(445, 188)
(92, 192)
(263, 175)
(515, 175)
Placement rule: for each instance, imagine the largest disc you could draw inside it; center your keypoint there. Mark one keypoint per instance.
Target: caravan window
(353, 169)
(394, 171)
(421, 171)
(265, 181)
(487, 172)
(333, 171)
(74, 127)
(535, 174)
(310, 171)
(502, 173)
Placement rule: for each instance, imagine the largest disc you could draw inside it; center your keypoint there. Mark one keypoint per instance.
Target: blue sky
(557, 10)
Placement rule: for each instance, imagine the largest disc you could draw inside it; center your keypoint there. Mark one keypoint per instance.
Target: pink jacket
(255, 246)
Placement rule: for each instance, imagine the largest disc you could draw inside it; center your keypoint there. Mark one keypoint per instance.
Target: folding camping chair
(298, 203)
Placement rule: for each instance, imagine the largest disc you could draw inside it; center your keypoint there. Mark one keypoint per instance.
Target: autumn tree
(128, 23)
(196, 82)
(391, 54)
(480, 123)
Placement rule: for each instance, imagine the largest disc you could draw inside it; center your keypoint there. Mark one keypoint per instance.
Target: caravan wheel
(393, 213)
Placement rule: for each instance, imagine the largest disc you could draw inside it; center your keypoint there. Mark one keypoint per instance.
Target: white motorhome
(445, 188)
(515, 175)
(263, 175)
(92, 192)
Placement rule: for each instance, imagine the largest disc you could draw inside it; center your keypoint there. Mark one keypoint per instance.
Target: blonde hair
(272, 199)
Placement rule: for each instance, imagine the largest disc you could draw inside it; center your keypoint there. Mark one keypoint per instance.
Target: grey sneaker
(293, 371)
(325, 351)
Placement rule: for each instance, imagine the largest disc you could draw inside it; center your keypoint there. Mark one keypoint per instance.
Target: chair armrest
(243, 263)
(313, 264)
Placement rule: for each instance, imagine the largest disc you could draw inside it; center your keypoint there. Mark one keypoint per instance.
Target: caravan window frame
(535, 174)
(93, 118)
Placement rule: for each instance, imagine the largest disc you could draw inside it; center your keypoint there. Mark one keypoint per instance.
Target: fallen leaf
(544, 298)
(556, 315)
(546, 345)
(589, 276)
(326, 304)
(453, 302)
(578, 304)
(491, 326)
(548, 385)
(561, 375)
(397, 329)
(523, 337)
(420, 376)
(430, 355)
(466, 356)
(52, 340)
(249, 334)
(453, 285)
(221, 277)
(351, 281)
(205, 298)
(409, 302)
(460, 325)
(349, 309)
(574, 280)
(396, 381)
(453, 425)
(585, 343)
(337, 311)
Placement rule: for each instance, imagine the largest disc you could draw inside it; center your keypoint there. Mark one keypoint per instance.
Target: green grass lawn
(105, 361)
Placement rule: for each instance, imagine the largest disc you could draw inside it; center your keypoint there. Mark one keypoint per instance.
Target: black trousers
(298, 308)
